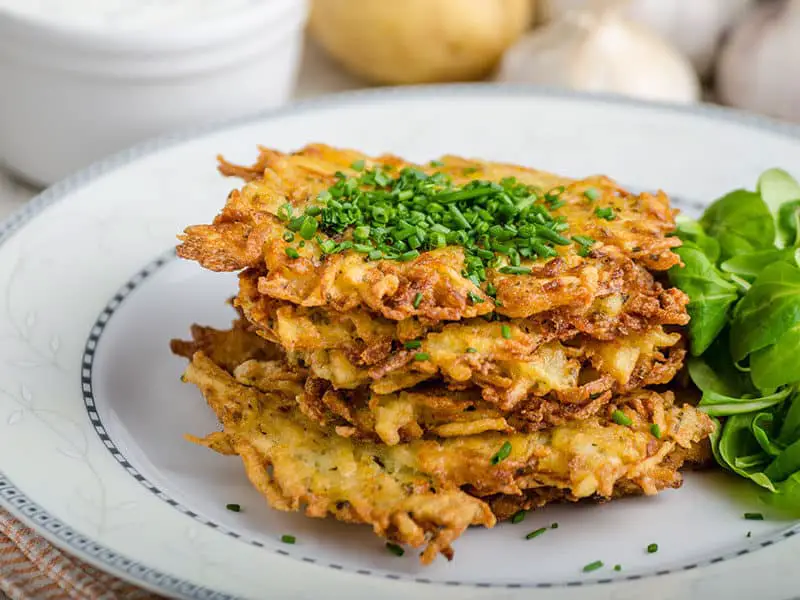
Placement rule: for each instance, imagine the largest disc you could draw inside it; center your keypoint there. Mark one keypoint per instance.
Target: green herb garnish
(395, 549)
(605, 213)
(592, 194)
(655, 430)
(536, 533)
(502, 454)
(233, 507)
(620, 418)
(417, 300)
(754, 516)
(652, 548)
(554, 526)
(593, 566)
(472, 350)
(291, 252)
(519, 516)
(288, 539)
(505, 331)
(412, 344)
(399, 215)
(618, 567)
(422, 356)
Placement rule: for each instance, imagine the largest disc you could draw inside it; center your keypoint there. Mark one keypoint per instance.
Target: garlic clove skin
(760, 61)
(695, 27)
(598, 50)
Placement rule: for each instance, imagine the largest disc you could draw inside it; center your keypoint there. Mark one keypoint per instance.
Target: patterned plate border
(62, 535)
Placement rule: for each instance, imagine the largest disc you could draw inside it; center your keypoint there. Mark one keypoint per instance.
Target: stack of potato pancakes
(427, 347)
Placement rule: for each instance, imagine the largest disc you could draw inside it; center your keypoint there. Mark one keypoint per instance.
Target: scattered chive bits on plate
(288, 539)
(593, 566)
(536, 533)
(395, 549)
(233, 507)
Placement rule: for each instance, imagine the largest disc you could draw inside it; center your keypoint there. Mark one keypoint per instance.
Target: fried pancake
(249, 234)
(413, 493)
(434, 407)
(355, 349)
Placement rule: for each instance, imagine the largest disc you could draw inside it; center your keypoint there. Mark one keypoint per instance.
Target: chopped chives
(620, 418)
(410, 255)
(288, 539)
(749, 533)
(397, 214)
(505, 330)
(309, 228)
(502, 454)
(412, 344)
(652, 548)
(592, 194)
(395, 549)
(417, 300)
(605, 213)
(554, 526)
(436, 163)
(754, 516)
(511, 270)
(420, 356)
(593, 566)
(233, 507)
(655, 430)
(288, 236)
(618, 567)
(583, 240)
(472, 350)
(474, 298)
(292, 253)
(536, 533)
(518, 517)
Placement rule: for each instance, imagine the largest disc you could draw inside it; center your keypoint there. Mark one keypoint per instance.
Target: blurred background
(80, 79)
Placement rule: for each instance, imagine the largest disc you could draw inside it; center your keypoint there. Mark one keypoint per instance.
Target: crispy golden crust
(248, 234)
(356, 349)
(433, 408)
(412, 493)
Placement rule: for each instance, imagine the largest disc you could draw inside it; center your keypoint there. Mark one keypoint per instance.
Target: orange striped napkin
(33, 569)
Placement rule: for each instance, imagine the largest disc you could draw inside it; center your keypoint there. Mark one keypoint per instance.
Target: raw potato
(418, 41)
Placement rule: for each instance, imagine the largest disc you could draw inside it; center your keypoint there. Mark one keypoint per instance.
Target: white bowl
(71, 94)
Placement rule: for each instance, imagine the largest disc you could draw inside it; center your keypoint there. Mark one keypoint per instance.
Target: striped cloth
(33, 569)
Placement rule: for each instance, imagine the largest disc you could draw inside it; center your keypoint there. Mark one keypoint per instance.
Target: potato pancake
(414, 493)
(612, 233)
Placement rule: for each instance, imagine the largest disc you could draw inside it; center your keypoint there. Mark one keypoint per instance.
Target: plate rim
(37, 206)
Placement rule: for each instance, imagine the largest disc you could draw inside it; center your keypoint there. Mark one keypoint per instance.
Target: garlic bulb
(760, 61)
(695, 27)
(596, 49)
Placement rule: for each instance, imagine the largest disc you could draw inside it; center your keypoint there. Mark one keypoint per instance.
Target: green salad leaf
(776, 365)
(711, 296)
(751, 265)
(741, 271)
(767, 311)
(741, 222)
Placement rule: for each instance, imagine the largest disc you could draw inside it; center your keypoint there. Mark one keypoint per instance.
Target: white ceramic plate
(92, 411)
